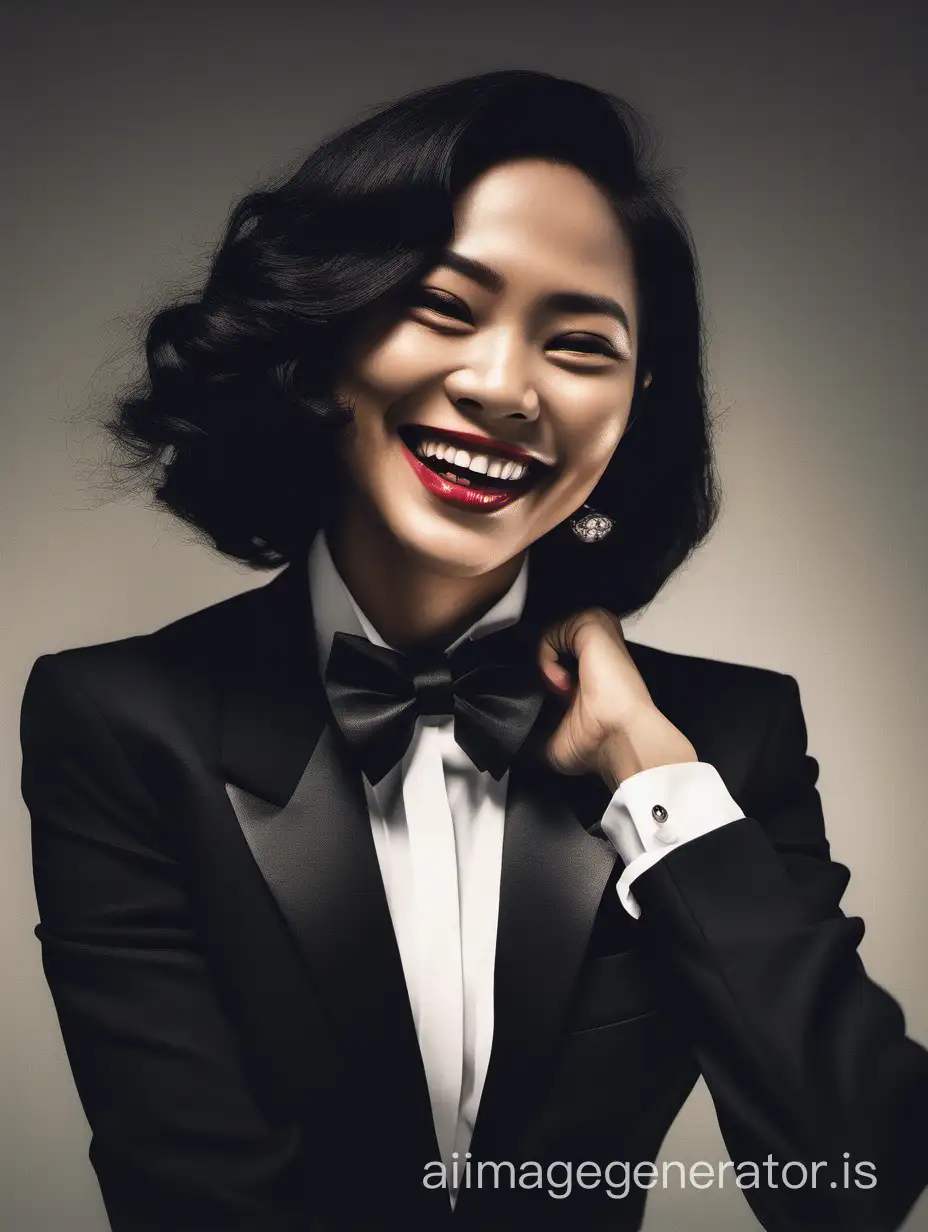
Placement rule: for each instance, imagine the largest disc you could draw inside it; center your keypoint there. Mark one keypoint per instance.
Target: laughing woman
(391, 892)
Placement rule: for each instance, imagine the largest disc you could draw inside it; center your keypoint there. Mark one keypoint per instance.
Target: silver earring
(590, 526)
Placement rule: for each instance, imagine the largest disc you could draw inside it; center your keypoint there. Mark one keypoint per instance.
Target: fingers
(564, 640)
(555, 674)
(551, 646)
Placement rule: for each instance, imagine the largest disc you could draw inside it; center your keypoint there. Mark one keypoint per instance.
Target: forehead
(544, 221)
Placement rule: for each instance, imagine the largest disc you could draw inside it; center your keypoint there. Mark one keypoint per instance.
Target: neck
(409, 604)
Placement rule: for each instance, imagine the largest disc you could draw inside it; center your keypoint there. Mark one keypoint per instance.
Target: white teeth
(481, 462)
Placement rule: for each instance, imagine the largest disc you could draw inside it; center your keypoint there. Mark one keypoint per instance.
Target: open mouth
(467, 466)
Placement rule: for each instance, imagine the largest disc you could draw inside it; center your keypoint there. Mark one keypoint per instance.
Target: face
(487, 409)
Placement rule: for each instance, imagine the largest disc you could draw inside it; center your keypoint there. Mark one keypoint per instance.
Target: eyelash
(436, 301)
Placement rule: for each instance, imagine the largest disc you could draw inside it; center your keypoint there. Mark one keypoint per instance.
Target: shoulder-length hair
(234, 421)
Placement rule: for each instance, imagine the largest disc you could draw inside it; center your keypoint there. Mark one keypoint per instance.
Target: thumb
(560, 751)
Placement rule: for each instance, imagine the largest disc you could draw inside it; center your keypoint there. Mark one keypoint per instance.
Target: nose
(494, 378)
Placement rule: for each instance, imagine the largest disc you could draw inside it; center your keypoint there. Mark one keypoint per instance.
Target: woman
(402, 889)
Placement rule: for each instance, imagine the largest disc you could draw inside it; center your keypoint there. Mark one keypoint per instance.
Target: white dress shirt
(437, 824)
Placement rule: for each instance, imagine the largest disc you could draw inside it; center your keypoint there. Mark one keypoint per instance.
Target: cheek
(590, 430)
(399, 365)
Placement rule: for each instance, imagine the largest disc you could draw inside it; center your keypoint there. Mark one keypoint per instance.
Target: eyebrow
(560, 301)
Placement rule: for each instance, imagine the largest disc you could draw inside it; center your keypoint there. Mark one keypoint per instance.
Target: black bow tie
(491, 685)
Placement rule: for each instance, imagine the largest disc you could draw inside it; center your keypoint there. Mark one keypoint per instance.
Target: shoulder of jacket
(744, 688)
(165, 661)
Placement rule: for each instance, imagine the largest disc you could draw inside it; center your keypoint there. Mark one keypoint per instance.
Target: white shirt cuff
(661, 808)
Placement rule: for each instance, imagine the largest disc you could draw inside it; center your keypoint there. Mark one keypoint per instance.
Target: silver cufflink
(659, 813)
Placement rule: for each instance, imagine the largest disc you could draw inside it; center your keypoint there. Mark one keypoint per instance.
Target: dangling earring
(589, 525)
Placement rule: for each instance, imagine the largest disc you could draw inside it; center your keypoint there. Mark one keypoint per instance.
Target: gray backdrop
(800, 132)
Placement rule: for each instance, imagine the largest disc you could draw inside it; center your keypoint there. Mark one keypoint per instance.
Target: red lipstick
(457, 493)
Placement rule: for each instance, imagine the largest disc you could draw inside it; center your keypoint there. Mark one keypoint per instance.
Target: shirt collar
(335, 609)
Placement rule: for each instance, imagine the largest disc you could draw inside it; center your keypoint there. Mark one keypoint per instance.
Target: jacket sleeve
(806, 1057)
(178, 1140)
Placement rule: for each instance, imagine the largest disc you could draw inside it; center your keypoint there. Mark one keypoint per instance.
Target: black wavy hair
(234, 421)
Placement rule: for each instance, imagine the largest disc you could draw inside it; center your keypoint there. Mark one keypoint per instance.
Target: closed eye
(442, 303)
(586, 344)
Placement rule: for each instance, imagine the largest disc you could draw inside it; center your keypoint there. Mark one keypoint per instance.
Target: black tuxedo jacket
(219, 948)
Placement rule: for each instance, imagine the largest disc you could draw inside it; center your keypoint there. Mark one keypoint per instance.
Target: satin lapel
(554, 874)
(303, 813)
